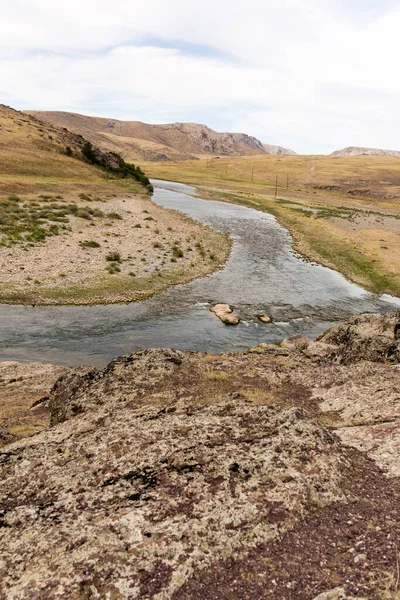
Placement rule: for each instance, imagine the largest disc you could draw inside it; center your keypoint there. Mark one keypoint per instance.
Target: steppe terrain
(343, 212)
(75, 234)
(272, 473)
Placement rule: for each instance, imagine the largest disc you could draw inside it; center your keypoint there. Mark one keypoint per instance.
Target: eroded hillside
(174, 141)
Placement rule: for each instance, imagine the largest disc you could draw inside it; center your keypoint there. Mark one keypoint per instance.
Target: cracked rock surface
(168, 474)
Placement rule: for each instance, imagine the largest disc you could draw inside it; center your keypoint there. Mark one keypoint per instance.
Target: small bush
(113, 256)
(89, 244)
(83, 214)
(177, 252)
(114, 215)
(138, 226)
(113, 268)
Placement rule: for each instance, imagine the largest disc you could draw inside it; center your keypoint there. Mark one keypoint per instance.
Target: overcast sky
(311, 75)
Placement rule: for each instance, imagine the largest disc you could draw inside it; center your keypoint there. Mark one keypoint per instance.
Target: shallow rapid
(262, 275)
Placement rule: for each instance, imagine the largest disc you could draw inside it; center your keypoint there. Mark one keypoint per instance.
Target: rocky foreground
(270, 474)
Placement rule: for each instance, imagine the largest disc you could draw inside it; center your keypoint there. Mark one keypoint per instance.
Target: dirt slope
(175, 141)
(182, 475)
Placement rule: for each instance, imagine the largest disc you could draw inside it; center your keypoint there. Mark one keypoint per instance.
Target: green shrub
(113, 256)
(89, 244)
(82, 213)
(113, 268)
(177, 252)
(114, 215)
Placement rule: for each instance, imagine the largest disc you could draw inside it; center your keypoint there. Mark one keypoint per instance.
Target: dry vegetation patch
(89, 249)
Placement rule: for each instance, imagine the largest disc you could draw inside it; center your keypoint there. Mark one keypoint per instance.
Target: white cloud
(307, 74)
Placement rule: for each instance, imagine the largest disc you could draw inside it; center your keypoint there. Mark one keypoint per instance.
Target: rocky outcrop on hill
(181, 475)
(357, 151)
(173, 141)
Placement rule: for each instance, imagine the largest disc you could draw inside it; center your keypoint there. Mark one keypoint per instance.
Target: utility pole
(287, 181)
(252, 173)
(276, 186)
(226, 169)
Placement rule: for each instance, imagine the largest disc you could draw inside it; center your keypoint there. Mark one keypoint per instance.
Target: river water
(262, 275)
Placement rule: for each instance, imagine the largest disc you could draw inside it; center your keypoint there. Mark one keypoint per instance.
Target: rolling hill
(33, 152)
(176, 141)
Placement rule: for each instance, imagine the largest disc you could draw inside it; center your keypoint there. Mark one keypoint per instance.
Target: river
(262, 275)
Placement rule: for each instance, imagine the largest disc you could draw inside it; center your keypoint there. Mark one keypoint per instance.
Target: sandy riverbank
(126, 250)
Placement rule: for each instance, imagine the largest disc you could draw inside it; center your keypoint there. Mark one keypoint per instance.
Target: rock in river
(225, 313)
(265, 318)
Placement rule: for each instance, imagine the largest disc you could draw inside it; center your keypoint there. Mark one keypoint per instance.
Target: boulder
(371, 337)
(6, 437)
(296, 342)
(320, 350)
(225, 313)
(145, 496)
(265, 318)
(86, 388)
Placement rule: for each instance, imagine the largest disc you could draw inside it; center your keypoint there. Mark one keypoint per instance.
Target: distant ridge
(271, 149)
(356, 151)
(175, 141)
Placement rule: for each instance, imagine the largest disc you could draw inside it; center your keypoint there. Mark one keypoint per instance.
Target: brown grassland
(343, 212)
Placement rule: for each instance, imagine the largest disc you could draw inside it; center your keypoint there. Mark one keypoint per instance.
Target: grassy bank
(114, 289)
(344, 213)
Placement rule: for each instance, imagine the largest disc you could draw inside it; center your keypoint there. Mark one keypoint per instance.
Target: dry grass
(342, 211)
